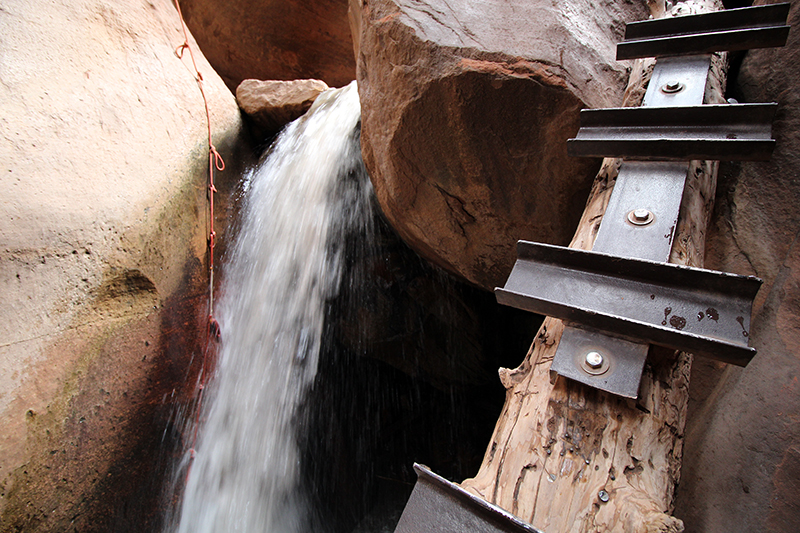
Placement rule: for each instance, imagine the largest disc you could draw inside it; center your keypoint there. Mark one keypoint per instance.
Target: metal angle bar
(733, 29)
(730, 132)
(439, 506)
(699, 311)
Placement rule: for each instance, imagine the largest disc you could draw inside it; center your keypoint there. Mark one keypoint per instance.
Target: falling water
(285, 264)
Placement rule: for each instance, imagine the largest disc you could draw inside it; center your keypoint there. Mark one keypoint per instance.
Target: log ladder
(623, 296)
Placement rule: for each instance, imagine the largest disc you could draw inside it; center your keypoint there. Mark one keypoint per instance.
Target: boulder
(466, 111)
(103, 265)
(270, 105)
(274, 39)
(741, 460)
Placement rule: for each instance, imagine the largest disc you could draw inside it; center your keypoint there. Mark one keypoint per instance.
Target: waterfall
(285, 264)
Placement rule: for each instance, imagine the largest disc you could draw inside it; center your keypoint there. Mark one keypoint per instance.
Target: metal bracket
(439, 506)
(678, 81)
(740, 132)
(733, 29)
(617, 365)
(653, 191)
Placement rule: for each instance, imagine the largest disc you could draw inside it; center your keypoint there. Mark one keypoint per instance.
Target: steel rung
(700, 311)
(741, 132)
(733, 29)
(439, 506)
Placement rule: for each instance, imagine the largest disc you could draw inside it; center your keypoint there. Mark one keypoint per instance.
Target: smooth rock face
(270, 105)
(741, 454)
(103, 163)
(274, 39)
(466, 111)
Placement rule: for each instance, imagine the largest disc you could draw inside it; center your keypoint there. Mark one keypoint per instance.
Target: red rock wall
(742, 448)
(274, 39)
(466, 111)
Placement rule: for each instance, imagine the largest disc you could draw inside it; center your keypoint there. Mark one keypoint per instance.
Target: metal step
(733, 29)
(700, 311)
(439, 506)
(739, 132)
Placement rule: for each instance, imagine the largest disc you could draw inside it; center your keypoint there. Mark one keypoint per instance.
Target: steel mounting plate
(656, 186)
(623, 360)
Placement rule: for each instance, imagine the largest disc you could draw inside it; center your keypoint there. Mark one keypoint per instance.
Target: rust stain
(677, 322)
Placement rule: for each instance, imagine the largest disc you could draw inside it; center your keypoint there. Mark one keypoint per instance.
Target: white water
(285, 264)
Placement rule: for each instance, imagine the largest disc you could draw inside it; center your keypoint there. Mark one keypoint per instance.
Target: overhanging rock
(466, 110)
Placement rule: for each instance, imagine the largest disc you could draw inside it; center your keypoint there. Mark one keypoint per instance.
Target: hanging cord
(215, 161)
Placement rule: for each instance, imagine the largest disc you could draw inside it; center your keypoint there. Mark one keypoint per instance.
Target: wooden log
(566, 457)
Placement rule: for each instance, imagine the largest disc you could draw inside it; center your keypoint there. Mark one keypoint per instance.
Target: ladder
(624, 294)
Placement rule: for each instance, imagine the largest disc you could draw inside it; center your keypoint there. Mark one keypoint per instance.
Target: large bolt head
(594, 360)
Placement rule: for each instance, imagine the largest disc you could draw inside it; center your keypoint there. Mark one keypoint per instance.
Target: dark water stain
(740, 320)
(667, 311)
(713, 314)
(677, 322)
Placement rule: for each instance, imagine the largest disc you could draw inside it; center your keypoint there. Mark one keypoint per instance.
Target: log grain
(569, 458)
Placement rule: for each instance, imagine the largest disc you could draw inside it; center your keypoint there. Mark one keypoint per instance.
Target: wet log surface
(566, 457)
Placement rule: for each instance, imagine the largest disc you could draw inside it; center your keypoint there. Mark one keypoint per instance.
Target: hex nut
(641, 217)
(672, 87)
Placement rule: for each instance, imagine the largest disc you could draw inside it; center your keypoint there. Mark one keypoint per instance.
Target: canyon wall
(103, 164)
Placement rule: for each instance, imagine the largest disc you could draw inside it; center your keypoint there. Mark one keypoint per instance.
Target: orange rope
(214, 161)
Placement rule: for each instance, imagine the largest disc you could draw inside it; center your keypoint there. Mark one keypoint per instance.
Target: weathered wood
(557, 445)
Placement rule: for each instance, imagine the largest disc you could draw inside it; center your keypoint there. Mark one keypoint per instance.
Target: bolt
(640, 217)
(672, 87)
(602, 496)
(594, 360)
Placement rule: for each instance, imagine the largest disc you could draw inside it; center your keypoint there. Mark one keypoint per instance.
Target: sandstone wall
(103, 158)
(741, 469)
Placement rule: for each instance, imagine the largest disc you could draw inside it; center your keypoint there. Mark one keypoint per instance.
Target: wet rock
(466, 111)
(270, 105)
(102, 254)
(274, 39)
